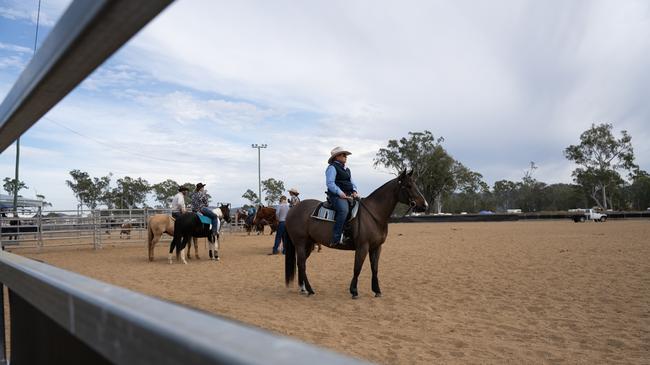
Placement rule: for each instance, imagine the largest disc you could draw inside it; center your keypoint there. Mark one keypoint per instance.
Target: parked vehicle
(582, 215)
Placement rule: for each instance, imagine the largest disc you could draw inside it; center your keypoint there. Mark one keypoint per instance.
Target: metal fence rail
(70, 228)
(82, 320)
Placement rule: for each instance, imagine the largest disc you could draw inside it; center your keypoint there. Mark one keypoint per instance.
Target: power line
(122, 150)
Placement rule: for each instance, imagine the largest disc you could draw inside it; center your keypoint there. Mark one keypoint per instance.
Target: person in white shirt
(178, 202)
(280, 213)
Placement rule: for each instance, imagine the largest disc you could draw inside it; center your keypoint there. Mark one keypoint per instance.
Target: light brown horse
(157, 225)
(369, 230)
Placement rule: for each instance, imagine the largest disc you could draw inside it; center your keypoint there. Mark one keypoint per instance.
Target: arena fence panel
(57, 316)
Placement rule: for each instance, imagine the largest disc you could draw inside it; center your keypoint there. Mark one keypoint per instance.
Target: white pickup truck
(582, 215)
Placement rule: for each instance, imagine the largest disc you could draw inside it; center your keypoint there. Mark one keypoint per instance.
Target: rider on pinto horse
(340, 190)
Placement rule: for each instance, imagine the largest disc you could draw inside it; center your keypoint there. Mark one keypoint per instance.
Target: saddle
(325, 212)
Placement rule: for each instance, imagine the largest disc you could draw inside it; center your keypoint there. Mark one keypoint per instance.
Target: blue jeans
(341, 206)
(215, 220)
(279, 235)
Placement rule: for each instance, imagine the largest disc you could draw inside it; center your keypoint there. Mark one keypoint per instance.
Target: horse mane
(381, 188)
(218, 212)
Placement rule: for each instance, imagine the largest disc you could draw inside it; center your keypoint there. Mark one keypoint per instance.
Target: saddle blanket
(205, 219)
(327, 214)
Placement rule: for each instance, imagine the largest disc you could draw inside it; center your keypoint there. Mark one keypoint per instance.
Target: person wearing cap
(200, 204)
(340, 188)
(178, 202)
(293, 200)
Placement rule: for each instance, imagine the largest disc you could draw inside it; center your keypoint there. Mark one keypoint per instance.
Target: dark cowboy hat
(199, 186)
(183, 188)
(338, 151)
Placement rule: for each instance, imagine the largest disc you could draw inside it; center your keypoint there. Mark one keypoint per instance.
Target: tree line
(598, 181)
(606, 176)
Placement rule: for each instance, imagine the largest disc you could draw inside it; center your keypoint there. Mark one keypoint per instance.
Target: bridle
(411, 200)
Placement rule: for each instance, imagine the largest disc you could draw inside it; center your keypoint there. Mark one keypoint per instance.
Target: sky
(504, 82)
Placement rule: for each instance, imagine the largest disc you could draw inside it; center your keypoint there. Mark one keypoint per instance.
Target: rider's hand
(354, 194)
(343, 196)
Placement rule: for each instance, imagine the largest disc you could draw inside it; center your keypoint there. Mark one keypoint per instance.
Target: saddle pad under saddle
(205, 219)
(326, 214)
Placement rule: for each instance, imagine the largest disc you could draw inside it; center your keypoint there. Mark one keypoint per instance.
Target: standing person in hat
(340, 189)
(200, 204)
(293, 200)
(178, 202)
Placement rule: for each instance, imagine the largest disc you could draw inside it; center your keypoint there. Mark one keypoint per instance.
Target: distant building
(24, 204)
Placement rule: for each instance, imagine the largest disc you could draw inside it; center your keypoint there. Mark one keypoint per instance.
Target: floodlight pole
(259, 169)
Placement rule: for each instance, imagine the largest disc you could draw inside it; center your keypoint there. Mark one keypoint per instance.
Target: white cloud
(51, 10)
(14, 48)
(505, 83)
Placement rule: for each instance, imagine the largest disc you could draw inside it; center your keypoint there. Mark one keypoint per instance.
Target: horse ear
(402, 174)
(410, 173)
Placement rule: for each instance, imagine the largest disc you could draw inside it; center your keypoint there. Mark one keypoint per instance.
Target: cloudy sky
(504, 82)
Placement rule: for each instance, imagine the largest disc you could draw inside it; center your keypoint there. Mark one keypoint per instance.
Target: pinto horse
(265, 216)
(159, 224)
(189, 225)
(369, 230)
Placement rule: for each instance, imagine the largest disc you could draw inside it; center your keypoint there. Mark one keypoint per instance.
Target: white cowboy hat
(294, 190)
(337, 151)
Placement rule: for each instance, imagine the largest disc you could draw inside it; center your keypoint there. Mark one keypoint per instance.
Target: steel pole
(259, 173)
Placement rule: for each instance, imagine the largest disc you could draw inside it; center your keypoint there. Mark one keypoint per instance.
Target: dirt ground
(511, 292)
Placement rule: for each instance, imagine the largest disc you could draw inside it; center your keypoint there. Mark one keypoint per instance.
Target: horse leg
(359, 258)
(215, 246)
(150, 242)
(301, 253)
(187, 240)
(374, 266)
(172, 245)
(196, 249)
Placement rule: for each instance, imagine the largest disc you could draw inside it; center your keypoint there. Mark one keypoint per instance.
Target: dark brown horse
(369, 230)
(265, 216)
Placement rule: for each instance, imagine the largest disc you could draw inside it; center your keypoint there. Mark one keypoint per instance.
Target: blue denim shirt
(330, 177)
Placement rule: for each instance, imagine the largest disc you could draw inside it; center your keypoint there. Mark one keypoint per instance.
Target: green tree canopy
(251, 196)
(599, 157)
(164, 190)
(11, 187)
(130, 192)
(89, 191)
(273, 189)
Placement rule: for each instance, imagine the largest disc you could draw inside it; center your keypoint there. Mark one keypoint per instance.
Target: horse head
(264, 213)
(409, 193)
(225, 210)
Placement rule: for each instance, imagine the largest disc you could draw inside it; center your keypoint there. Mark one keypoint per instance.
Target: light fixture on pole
(259, 169)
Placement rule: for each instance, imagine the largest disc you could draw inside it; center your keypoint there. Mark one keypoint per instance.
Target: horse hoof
(355, 296)
(377, 295)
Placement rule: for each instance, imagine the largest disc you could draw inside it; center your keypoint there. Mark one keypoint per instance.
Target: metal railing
(94, 227)
(57, 316)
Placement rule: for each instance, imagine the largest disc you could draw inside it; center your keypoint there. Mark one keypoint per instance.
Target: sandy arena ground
(512, 292)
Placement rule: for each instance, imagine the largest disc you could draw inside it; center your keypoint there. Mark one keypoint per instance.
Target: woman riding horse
(368, 230)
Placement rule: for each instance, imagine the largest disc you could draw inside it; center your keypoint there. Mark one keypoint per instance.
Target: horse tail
(289, 258)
